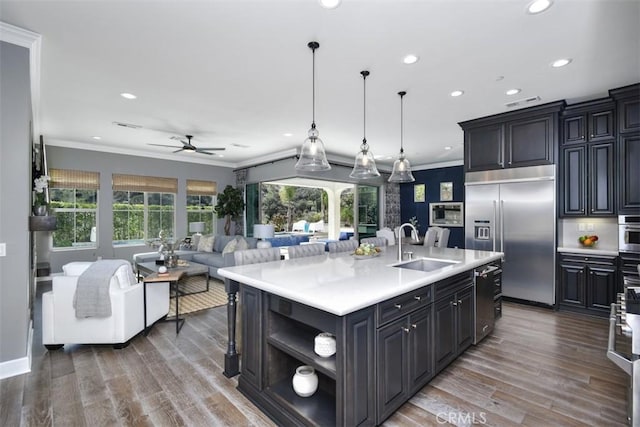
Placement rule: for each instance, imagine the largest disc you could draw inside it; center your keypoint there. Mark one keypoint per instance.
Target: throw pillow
(242, 244)
(205, 244)
(125, 276)
(230, 247)
(75, 268)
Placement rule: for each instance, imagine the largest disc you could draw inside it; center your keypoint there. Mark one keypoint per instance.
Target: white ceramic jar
(305, 381)
(325, 345)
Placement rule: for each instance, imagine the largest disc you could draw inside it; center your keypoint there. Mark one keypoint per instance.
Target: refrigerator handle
(502, 229)
(495, 224)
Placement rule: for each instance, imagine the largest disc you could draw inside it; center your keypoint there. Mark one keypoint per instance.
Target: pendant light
(312, 155)
(401, 167)
(365, 165)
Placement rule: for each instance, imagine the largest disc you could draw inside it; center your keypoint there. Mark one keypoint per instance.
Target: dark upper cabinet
(628, 148)
(587, 184)
(629, 174)
(526, 137)
(591, 121)
(628, 108)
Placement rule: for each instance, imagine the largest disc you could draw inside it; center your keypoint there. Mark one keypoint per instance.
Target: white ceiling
(239, 71)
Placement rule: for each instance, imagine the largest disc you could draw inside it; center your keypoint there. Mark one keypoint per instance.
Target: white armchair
(61, 326)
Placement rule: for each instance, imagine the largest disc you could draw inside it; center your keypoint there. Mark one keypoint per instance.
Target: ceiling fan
(188, 146)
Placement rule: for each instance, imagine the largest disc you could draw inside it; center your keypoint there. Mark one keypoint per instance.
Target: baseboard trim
(14, 367)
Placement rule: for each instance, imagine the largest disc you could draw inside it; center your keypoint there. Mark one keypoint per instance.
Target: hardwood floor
(538, 368)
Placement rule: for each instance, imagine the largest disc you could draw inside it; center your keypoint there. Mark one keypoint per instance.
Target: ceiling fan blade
(212, 148)
(163, 145)
(203, 152)
(178, 150)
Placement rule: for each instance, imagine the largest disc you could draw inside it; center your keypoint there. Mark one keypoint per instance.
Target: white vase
(305, 381)
(325, 345)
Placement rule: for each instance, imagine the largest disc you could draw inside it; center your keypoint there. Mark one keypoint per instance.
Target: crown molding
(437, 165)
(32, 41)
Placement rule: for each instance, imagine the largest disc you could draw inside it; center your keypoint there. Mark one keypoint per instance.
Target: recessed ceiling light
(287, 134)
(96, 137)
(220, 155)
(538, 6)
(457, 93)
(410, 59)
(330, 4)
(128, 95)
(561, 62)
(512, 91)
(448, 147)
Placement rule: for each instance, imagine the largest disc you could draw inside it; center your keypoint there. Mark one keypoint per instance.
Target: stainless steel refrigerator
(513, 211)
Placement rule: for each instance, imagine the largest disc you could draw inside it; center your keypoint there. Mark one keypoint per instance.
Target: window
(201, 199)
(142, 206)
(74, 199)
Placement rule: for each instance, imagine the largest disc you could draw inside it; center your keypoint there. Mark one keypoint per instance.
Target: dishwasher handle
(486, 271)
(621, 361)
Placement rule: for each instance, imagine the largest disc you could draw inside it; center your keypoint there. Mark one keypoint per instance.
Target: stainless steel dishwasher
(487, 279)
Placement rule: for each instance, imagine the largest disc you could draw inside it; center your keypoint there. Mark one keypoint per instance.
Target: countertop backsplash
(569, 230)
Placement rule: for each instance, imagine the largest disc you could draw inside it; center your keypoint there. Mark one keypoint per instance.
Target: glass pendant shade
(365, 165)
(312, 155)
(313, 158)
(401, 168)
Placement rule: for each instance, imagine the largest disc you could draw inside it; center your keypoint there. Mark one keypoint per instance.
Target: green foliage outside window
(76, 213)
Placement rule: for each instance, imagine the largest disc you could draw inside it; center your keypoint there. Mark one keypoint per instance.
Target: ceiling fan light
(364, 166)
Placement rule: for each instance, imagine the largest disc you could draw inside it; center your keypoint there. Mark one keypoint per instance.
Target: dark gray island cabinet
(385, 352)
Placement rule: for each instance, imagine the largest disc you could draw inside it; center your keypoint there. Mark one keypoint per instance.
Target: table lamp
(196, 227)
(263, 231)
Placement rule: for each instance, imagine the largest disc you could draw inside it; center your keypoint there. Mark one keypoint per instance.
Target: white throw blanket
(92, 291)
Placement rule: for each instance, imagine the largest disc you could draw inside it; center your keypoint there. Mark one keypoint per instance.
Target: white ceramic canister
(325, 344)
(305, 381)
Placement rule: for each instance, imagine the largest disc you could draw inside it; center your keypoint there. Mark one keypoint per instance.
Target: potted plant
(230, 205)
(40, 203)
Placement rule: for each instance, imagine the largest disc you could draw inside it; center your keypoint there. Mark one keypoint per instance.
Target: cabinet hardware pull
(398, 306)
(414, 326)
(453, 303)
(417, 297)
(407, 330)
(460, 301)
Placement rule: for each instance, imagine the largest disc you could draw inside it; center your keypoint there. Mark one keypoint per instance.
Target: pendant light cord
(402, 94)
(313, 86)
(364, 104)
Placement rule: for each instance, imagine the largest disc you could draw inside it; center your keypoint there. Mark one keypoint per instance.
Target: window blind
(152, 184)
(201, 188)
(67, 178)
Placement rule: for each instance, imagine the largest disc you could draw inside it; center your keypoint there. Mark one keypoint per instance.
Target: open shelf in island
(300, 346)
(320, 408)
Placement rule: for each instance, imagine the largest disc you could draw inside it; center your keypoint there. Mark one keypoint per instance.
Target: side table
(172, 277)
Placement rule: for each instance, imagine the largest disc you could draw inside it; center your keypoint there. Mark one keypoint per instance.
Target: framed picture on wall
(419, 193)
(446, 191)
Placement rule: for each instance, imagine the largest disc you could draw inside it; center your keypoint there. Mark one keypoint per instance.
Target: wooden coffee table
(191, 269)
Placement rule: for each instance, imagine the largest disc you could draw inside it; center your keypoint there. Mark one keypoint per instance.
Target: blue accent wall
(432, 179)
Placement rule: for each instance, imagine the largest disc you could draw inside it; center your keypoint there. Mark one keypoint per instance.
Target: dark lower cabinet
(405, 359)
(587, 283)
(453, 321)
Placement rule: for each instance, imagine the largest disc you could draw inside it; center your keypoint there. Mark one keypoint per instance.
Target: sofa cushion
(205, 244)
(221, 241)
(125, 276)
(75, 268)
(211, 259)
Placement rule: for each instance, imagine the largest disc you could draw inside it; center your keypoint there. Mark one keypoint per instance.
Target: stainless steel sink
(426, 264)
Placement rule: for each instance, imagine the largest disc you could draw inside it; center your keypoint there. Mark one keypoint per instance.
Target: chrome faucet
(400, 234)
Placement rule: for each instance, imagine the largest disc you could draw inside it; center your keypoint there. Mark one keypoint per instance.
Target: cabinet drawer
(403, 304)
(453, 284)
(588, 259)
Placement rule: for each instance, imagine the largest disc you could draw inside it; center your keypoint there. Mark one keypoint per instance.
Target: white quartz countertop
(341, 284)
(595, 250)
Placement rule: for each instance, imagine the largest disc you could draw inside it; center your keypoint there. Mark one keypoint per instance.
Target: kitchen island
(395, 329)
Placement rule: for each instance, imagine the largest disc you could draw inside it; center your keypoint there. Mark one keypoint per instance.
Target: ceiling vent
(127, 125)
(522, 102)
